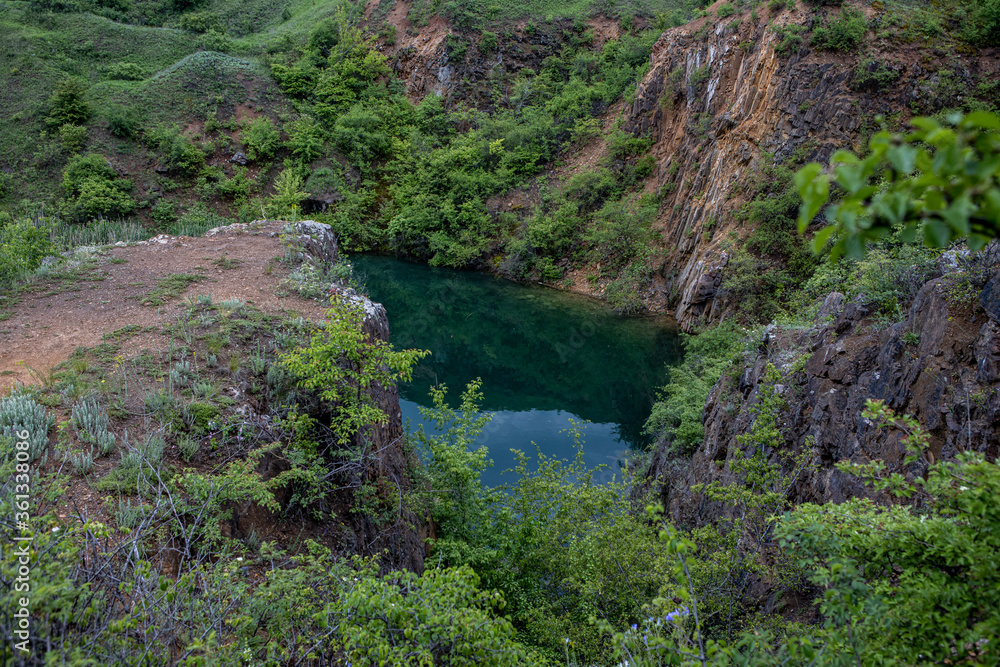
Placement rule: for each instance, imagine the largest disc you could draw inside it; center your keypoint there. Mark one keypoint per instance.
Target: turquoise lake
(545, 357)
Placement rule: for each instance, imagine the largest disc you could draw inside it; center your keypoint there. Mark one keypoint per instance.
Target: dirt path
(57, 315)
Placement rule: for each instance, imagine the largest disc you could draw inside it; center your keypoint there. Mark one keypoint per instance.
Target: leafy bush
(790, 37)
(488, 42)
(73, 137)
(67, 104)
(944, 180)
(260, 138)
(984, 28)
(904, 584)
(23, 246)
(124, 123)
(439, 618)
(305, 140)
(725, 10)
(93, 188)
(126, 71)
(676, 415)
(344, 363)
(178, 151)
(872, 75)
(844, 33)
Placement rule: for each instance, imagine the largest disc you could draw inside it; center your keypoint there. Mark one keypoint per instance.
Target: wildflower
(240, 559)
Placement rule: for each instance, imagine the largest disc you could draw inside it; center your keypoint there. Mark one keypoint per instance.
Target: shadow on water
(544, 356)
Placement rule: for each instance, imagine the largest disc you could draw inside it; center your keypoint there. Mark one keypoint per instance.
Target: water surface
(544, 356)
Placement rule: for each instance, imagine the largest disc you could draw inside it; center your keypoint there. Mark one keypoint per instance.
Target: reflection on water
(544, 357)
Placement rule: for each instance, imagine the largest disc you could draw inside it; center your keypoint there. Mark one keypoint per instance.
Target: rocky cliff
(941, 365)
(718, 96)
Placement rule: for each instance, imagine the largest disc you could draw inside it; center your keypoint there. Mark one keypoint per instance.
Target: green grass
(170, 287)
(67, 235)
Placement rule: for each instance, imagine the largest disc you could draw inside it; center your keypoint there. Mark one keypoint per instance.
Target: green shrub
(18, 413)
(93, 188)
(164, 212)
(178, 151)
(725, 10)
(73, 137)
(790, 38)
(199, 22)
(124, 122)
(621, 232)
(305, 140)
(67, 104)
(198, 416)
(843, 33)
(676, 415)
(984, 28)
(488, 42)
(126, 71)
(872, 74)
(260, 138)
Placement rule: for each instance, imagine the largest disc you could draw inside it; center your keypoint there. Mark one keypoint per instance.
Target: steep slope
(719, 97)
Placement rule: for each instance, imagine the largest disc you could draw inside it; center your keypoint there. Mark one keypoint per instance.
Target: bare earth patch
(51, 321)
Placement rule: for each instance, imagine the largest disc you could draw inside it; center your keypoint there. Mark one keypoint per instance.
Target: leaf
(982, 119)
(814, 188)
(903, 158)
(937, 234)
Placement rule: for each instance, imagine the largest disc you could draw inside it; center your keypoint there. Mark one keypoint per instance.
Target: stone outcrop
(941, 365)
(717, 98)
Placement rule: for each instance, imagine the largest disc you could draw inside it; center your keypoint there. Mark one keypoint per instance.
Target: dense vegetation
(133, 111)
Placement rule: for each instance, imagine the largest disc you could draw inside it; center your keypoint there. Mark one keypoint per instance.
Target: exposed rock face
(389, 471)
(717, 98)
(941, 365)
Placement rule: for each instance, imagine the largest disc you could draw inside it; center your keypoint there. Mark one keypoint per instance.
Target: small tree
(287, 193)
(67, 104)
(346, 364)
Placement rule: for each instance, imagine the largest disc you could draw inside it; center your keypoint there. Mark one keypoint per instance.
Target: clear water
(544, 356)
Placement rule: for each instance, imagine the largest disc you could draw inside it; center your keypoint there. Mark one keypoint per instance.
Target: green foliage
(790, 38)
(438, 618)
(93, 188)
(984, 28)
(725, 10)
(22, 419)
(90, 420)
(843, 33)
(488, 42)
(67, 104)
(73, 137)
(568, 548)
(941, 181)
(260, 138)
(23, 246)
(902, 584)
(621, 232)
(345, 364)
(126, 71)
(872, 75)
(287, 193)
(676, 416)
(454, 497)
(124, 123)
(305, 140)
(179, 151)
(773, 261)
